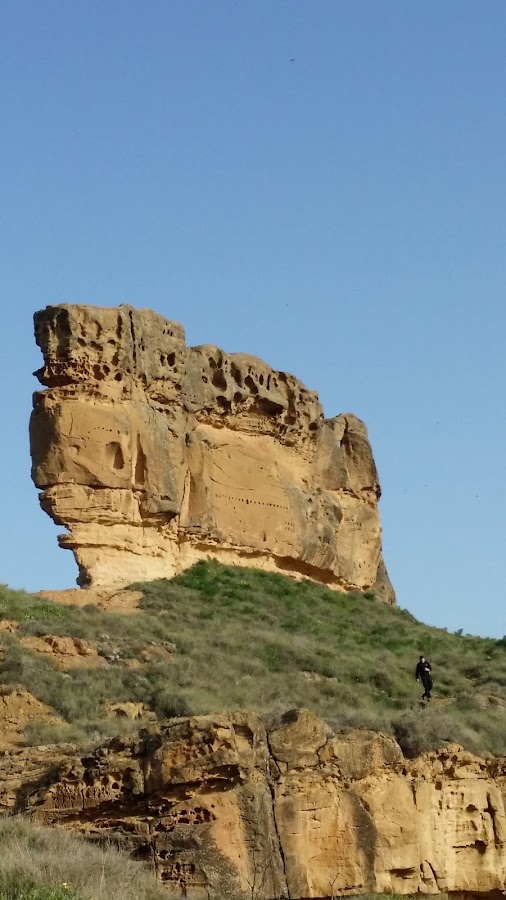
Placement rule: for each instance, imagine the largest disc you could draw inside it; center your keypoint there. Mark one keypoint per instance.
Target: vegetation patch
(38, 863)
(242, 638)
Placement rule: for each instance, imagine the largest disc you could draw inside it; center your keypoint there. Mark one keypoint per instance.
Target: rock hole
(236, 374)
(223, 403)
(118, 461)
(63, 325)
(269, 407)
(171, 359)
(140, 464)
(143, 853)
(219, 380)
(248, 381)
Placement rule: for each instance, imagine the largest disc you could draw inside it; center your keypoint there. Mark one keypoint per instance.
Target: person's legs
(427, 687)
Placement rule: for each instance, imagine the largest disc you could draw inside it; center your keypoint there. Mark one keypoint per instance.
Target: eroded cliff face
(154, 454)
(223, 811)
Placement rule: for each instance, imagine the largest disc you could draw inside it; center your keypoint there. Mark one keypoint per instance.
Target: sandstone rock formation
(18, 709)
(223, 811)
(154, 454)
(65, 652)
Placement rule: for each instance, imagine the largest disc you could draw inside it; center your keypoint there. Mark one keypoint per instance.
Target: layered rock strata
(154, 454)
(223, 811)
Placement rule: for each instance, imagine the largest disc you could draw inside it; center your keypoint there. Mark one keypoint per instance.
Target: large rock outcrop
(154, 454)
(223, 811)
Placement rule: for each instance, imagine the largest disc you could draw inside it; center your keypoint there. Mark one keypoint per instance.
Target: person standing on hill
(422, 674)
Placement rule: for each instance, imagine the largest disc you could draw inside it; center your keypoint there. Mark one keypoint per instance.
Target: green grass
(17, 887)
(41, 863)
(250, 639)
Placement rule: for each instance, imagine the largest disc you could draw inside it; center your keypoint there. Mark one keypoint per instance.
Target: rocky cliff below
(223, 810)
(154, 454)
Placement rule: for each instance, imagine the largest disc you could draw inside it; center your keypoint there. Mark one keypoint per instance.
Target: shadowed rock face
(154, 455)
(223, 811)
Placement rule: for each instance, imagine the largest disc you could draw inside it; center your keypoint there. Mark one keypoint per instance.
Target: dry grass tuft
(38, 863)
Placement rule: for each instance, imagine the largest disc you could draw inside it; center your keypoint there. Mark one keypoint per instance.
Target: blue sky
(341, 215)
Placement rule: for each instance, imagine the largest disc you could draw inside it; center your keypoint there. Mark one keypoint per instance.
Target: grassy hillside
(245, 638)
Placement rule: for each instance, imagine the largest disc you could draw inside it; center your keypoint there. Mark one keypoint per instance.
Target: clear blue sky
(341, 215)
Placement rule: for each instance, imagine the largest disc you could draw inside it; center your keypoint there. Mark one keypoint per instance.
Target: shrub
(419, 731)
(169, 705)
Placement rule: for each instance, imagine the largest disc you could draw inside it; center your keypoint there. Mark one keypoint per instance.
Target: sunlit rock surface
(222, 810)
(154, 455)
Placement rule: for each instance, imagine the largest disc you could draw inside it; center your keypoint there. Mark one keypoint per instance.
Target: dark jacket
(423, 670)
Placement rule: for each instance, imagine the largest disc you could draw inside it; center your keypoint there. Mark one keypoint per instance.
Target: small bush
(422, 730)
(39, 733)
(169, 705)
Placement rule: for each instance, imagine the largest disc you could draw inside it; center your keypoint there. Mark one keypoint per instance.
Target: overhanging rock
(154, 454)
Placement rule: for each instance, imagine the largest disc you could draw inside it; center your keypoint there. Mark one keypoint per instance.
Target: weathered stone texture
(154, 455)
(223, 811)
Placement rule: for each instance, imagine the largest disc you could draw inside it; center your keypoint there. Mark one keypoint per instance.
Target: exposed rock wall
(153, 455)
(223, 811)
